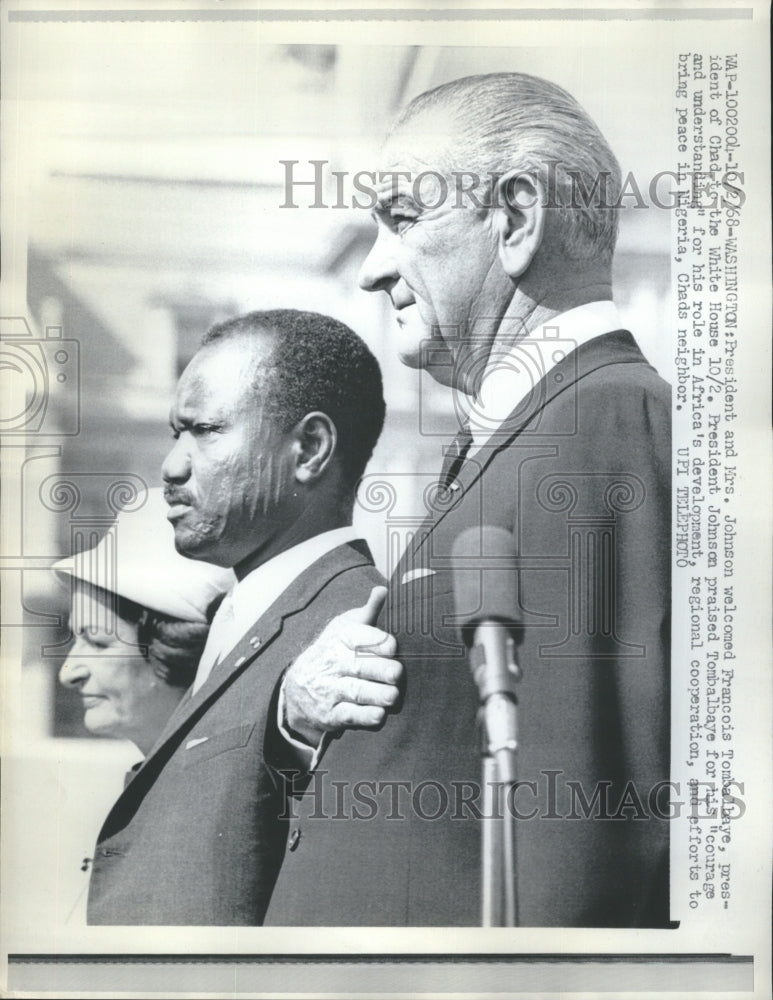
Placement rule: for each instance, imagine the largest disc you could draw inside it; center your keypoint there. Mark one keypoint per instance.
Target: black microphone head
(485, 579)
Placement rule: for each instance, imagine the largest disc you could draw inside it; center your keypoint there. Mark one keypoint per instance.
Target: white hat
(137, 559)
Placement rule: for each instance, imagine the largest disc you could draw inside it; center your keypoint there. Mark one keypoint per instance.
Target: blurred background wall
(153, 187)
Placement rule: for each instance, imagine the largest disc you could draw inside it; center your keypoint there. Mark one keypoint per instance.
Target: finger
(358, 637)
(349, 716)
(366, 693)
(377, 669)
(369, 612)
(366, 640)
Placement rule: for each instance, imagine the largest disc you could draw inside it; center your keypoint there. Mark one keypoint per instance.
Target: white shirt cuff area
(309, 756)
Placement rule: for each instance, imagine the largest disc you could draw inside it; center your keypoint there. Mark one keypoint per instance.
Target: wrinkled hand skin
(347, 679)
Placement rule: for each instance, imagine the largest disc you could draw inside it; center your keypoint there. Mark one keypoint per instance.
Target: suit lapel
(614, 348)
(258, 639)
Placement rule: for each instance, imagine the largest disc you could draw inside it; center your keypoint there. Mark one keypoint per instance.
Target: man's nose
(379, 269)
(75, 670)
(176, 467)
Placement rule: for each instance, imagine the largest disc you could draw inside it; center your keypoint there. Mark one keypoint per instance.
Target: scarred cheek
(215, 499)
(271, 478)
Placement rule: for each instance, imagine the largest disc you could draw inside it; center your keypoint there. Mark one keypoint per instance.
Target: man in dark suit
(502, 287)
(274, 421)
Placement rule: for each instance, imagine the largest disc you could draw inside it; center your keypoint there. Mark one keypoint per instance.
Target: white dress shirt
(510, 376)
(255, 594)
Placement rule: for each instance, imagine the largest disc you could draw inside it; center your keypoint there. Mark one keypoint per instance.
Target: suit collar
(618, 347)
(254, 594)
(510, 375)
(614, 348)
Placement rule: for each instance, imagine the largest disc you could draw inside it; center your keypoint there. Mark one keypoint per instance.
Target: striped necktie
(455, 456)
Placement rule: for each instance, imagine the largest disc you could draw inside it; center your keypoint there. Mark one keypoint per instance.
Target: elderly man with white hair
(498, 263)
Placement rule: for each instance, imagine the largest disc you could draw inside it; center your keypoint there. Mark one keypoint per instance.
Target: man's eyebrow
(388, 198)
(383, 202)
(178, 420)
(386, 195)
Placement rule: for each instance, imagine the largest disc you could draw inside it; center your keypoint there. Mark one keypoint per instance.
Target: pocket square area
(210, 748)
(417, 574)
(194, 743)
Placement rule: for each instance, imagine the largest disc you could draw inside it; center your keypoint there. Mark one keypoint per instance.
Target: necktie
(455, 456)
(218, 641)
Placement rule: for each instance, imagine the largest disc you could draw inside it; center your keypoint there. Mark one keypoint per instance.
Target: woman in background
(140, 616)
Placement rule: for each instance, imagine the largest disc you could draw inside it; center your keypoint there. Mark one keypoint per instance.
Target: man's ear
(314, 444)
(519, 209)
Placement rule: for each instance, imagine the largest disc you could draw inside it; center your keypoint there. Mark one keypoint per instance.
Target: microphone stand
(499, 903)
(497, 721)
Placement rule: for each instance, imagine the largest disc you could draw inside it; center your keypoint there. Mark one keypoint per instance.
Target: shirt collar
(254, 595)
(511, 376)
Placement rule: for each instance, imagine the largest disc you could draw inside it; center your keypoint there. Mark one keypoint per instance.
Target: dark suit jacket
(581, 477)
(197, 835)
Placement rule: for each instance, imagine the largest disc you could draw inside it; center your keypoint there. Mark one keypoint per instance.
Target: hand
(347, 678)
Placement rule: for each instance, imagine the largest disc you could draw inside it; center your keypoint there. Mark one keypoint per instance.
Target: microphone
(485, 600)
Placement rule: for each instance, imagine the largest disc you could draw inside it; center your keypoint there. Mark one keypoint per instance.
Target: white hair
(507, 121)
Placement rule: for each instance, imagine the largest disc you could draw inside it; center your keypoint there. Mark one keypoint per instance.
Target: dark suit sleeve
(287, 767)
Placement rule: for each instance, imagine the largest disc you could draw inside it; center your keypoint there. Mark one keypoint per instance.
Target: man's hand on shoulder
(347, 678)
